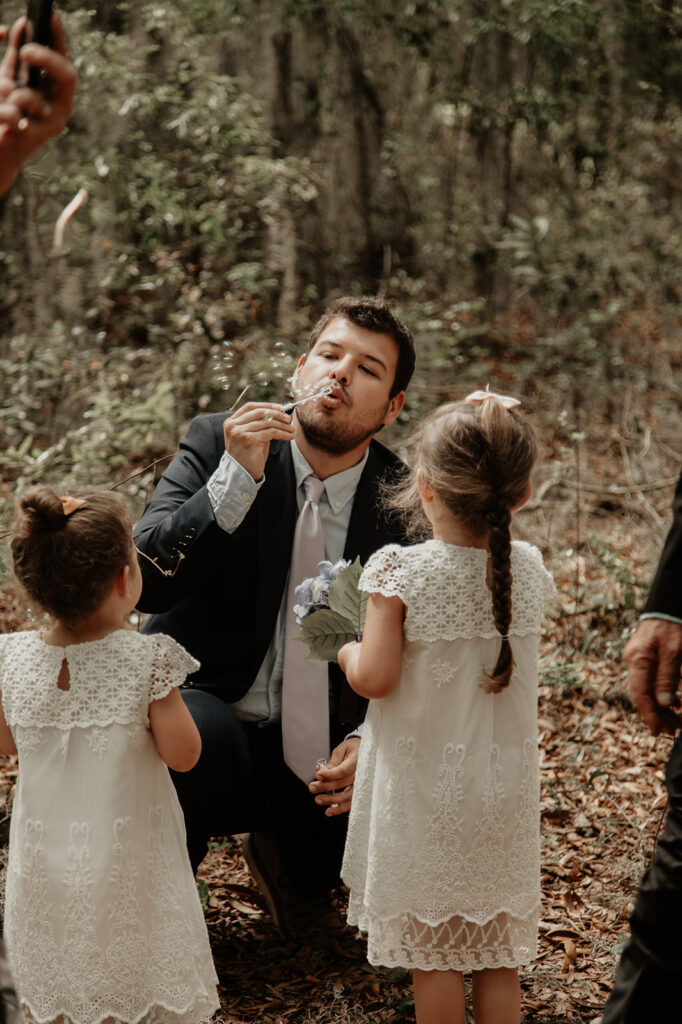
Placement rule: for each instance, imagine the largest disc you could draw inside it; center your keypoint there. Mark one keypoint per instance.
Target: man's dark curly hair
(374, 315)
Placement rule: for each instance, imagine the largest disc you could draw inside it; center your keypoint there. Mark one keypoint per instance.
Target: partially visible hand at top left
(29, 118)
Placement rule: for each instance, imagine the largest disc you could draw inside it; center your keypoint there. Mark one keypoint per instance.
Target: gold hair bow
(71, 505)
(480, 396)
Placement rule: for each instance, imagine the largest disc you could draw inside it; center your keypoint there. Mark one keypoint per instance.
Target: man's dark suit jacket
(665, 595)
(223, 602)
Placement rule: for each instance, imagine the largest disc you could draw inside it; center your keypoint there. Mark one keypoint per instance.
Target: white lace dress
(443, 850)
(102, 917)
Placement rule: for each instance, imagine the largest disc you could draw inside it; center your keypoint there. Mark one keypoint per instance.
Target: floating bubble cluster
(270, 377)
(278, 369)
(223, 364)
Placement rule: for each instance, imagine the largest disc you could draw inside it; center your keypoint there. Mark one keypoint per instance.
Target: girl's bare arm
(175, 734)
(7, 744)
(373, 666)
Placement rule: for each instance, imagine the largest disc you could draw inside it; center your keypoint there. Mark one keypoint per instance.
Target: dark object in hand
(38, 30)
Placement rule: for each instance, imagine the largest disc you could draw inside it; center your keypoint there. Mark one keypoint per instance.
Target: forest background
(508, 174)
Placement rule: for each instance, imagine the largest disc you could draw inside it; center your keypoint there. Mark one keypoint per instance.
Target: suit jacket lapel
(276, 513)
(369, 527)
(362, 523)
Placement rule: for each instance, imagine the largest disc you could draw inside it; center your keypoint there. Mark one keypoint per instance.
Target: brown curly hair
(477, 458)
(67, 564)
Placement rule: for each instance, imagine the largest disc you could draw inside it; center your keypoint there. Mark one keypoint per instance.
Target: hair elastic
(71, 505)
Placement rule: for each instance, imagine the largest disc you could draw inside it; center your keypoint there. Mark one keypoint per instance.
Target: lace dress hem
(433, 921)
(198, 1011)
(455, 944)
(464, 966)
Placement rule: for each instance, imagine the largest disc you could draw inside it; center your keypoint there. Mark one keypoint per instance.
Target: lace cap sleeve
(546, 580)
(384, 573)
(549, 586)
(171, 664)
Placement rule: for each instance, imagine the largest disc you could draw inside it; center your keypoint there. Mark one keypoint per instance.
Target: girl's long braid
(499, 545)
(477, 458)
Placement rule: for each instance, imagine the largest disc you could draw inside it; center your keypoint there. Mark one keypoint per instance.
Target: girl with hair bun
(443, 850)
(102, 918)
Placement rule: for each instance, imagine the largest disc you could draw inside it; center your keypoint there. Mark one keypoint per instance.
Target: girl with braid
(443, 850)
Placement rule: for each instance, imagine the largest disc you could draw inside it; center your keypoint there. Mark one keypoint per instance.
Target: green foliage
(595, 774)
(325, 632)
(181, 171)
(87, 414)
(619, 567)
(203, 890)
(224, 843)
(564, 675)
(347, 599)
(244, 162)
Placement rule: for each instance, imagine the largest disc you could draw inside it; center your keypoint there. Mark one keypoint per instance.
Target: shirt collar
(339, 488)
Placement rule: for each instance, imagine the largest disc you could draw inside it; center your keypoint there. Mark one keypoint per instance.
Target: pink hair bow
(480, 396)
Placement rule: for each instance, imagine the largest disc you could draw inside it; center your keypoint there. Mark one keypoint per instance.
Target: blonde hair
(477, 458)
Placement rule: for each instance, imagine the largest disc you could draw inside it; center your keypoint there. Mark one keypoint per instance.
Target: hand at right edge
(249, 431)
(654, 659)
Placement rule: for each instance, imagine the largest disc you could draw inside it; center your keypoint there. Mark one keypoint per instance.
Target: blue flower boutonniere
(330, 608)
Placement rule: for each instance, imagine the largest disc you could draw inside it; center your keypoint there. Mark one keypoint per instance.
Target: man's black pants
(648, 985)
(241, 784)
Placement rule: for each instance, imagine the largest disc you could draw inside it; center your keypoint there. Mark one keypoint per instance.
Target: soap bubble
(222, 360)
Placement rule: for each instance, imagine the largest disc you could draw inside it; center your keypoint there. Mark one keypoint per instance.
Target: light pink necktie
(305, 697)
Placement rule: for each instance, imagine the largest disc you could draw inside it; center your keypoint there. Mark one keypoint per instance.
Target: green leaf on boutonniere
(347, 600)
(325, 632)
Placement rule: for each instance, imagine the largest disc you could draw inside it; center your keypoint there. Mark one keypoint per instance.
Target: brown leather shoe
(295, 916)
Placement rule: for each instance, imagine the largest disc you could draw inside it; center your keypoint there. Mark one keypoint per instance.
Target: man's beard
(333, 438)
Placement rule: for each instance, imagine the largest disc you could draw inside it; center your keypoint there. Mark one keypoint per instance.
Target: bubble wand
(290, 406)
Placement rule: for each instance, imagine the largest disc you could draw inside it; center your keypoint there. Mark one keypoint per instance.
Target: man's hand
(28, 119)
(334, 781)
(654, 660)
(249, 432)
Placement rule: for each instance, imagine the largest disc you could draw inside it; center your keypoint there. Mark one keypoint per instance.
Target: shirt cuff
(660, 615)
(231, 491)
(356, 733)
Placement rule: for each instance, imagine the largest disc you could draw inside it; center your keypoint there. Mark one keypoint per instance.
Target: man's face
(360, 365)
